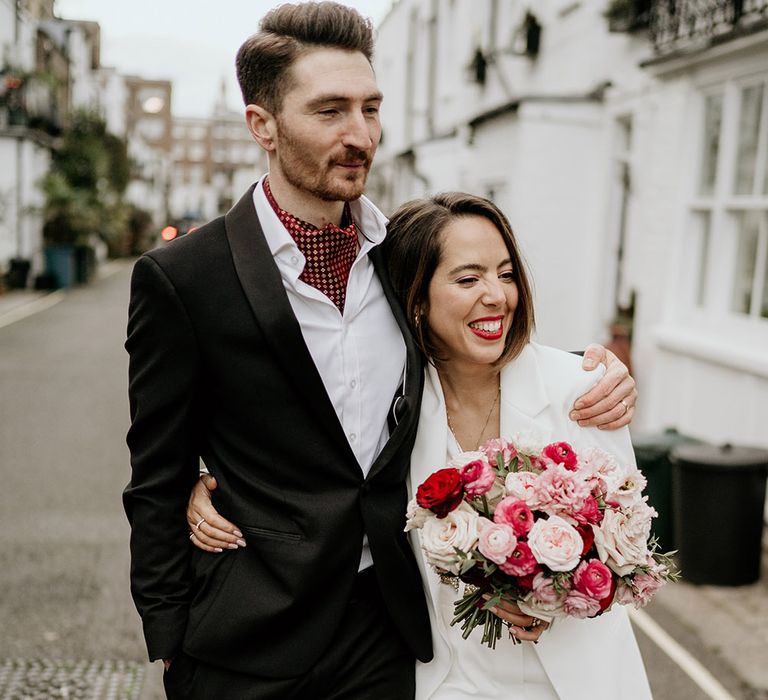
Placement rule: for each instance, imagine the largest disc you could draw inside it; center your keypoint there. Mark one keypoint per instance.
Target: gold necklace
(482, 430)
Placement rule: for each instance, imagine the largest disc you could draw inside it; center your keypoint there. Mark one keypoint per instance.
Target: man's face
(328, 127)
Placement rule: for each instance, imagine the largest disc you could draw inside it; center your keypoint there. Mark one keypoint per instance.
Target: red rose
(605, 602)
(588, 535)
(441, 492)
(561, 453)
(525, 583)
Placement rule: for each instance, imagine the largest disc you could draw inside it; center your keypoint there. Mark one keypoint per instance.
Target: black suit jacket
(219, 370)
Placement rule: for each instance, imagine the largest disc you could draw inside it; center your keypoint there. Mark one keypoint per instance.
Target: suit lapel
(263, 287)
(407, 402)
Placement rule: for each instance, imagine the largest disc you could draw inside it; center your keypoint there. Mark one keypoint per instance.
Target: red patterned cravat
(329, 251)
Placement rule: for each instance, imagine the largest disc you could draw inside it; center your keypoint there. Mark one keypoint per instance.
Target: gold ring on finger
(626, 407)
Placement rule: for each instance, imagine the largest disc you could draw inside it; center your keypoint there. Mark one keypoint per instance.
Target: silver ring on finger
(202, 520)
(191, 535)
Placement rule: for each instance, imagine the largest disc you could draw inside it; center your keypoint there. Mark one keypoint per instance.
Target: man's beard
(315, 178)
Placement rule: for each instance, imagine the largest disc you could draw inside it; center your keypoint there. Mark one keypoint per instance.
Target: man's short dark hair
(263, 62)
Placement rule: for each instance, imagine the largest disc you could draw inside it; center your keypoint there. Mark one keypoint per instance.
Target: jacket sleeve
(163, 372)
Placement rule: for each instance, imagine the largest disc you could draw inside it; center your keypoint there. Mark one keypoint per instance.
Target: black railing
(688, 24)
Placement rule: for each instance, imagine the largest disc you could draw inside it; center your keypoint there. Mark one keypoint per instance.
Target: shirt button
(353, 383)
(294, 260)
(352, 437)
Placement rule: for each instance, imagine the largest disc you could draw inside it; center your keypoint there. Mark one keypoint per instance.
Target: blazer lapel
(523, 396)
(263, 288)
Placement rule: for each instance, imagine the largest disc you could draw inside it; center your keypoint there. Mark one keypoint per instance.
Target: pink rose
(478, 477)
(645, 586)
(516, 513)
(593, 578)
(544, 590)
(561, 453)
(555, 543)
(497, 541)
(581, 606)
(521, 562)
(499, 446)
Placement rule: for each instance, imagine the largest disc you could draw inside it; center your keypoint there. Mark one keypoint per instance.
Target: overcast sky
(191, 42)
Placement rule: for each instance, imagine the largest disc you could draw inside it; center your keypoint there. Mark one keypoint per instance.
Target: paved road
(63, 536)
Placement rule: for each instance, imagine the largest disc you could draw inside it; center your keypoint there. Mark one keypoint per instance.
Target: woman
(458, 272)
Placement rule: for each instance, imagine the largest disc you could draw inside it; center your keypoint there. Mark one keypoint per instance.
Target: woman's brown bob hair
(413, 248)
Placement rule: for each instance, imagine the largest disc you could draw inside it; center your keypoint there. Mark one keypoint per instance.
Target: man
(266, 345)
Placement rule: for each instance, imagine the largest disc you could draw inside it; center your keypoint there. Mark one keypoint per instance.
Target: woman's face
(473, 294)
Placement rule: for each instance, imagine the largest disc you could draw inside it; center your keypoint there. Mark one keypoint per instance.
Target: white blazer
(584, 659)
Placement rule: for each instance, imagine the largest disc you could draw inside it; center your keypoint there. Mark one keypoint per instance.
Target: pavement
(698, 642)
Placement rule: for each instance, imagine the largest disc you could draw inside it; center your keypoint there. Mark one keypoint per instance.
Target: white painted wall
(554, 168)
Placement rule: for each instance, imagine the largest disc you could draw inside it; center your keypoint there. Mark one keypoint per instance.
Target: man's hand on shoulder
(610, 404)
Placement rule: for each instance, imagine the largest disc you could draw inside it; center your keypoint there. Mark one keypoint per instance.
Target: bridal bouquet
(560, 533)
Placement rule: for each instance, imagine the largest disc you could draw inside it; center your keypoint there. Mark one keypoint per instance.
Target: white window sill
(731, 351)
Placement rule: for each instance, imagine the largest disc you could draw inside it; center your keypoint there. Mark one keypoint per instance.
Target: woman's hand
(522, 626)
(208, 530)
(610, 404)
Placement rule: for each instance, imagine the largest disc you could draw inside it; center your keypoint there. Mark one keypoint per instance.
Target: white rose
(555, 543)
(622, 538)
(440, 537)
(416, 516)
(630, 490)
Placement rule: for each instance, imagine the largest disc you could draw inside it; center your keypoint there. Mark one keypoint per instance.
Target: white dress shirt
(360, 354)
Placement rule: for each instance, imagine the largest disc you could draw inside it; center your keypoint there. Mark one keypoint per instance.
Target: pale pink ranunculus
(497, 541)
(497, 446)
(622, 537)
(555, 543)
(630, 490)
(521, 562)
(580, 606)
(478, 477)
(521, 485)
(593, 578)
(441, 537)
(600, 469)
(516, 513)
(558, 490)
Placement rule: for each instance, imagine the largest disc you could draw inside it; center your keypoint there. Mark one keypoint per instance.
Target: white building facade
(625, 172)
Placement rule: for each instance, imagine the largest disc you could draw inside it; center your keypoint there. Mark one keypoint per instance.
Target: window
(729, 216)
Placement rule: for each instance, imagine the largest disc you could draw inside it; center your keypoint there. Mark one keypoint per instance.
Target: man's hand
(610, 404)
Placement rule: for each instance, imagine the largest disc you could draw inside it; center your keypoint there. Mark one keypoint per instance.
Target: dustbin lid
(655, 445)
(728, 456)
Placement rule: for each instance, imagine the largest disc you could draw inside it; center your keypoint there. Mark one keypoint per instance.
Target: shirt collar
(369, 219)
